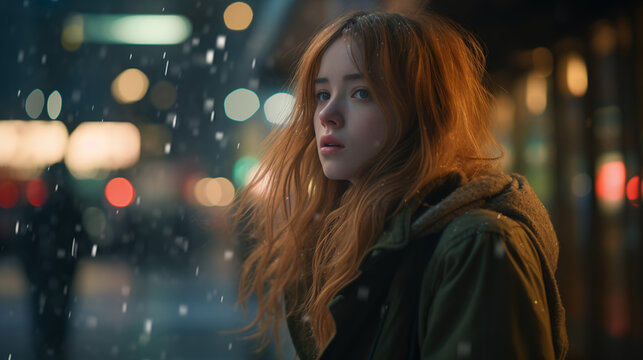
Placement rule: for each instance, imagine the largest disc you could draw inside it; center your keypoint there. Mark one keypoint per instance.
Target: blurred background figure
(49, 250)
(127, 127)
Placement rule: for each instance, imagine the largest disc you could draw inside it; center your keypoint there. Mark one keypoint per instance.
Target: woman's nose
(331, 115)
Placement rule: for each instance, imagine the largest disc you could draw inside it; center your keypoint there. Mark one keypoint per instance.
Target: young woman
(382, 226)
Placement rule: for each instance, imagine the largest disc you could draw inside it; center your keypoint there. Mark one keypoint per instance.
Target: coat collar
(401, 228)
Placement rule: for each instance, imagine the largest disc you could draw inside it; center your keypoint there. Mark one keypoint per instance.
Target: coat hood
(511, 196)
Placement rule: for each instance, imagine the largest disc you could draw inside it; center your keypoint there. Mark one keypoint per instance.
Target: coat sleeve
(483, 295)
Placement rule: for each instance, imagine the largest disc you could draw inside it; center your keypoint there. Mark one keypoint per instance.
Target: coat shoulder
(482, 232)
(480, 221)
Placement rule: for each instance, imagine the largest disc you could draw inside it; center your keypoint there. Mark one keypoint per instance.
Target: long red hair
(311, 232)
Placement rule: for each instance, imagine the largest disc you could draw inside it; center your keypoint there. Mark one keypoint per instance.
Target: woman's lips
(328, 150)
(329, 145)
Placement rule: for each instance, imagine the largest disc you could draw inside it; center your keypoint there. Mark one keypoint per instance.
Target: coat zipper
(384, 311)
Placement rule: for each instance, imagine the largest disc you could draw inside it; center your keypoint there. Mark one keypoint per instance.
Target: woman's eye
(323, 96)
(362, 94)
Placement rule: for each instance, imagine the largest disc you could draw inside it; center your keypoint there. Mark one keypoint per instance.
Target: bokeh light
(227, 191)
(610, 181)
(163, 95)
(241, 169)
(214, 192)
(72, 34)
(35, 103)
(119, 192)
(36, 192)
(32, 144)
(278, 107)
(237, 16)
(536, 93)
(54, 104)
(146, 29)
(604, 38)
(124, 29)
(241, 104)
(94, 221)
(576, 75)
(9, 194)
(96, 146)
(632, 190)
(200, 192)
(9, 141)
(130, 86)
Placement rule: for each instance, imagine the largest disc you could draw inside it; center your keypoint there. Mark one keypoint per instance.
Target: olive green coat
(468, 273)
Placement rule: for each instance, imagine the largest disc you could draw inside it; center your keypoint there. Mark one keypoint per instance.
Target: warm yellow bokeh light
(536, 93)
(73, 33)
(576, 75)
(32, 144)
(604, 38)
(214, 192)
(96, 146)
(504, 113)
(200, 192)
(226, 189)
(237, 16)
(9, 141)
(130, 86)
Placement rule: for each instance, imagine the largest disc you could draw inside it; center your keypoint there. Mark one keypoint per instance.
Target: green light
(133, 29)
(241, 169)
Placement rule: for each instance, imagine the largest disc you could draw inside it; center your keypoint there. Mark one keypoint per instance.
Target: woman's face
(350, 127)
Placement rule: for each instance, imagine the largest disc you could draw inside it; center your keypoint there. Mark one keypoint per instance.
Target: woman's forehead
(340, 56)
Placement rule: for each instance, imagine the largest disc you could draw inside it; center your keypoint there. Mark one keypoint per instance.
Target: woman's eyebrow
(354, 76)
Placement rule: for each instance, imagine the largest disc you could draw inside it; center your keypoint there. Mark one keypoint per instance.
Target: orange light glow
(237, 16)
(200, 192)
(119, 192)
(9, 194)
(227, 191)
(130, 86)
(610, 181)
(576, 75)
(36, 192)
(213, 192)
